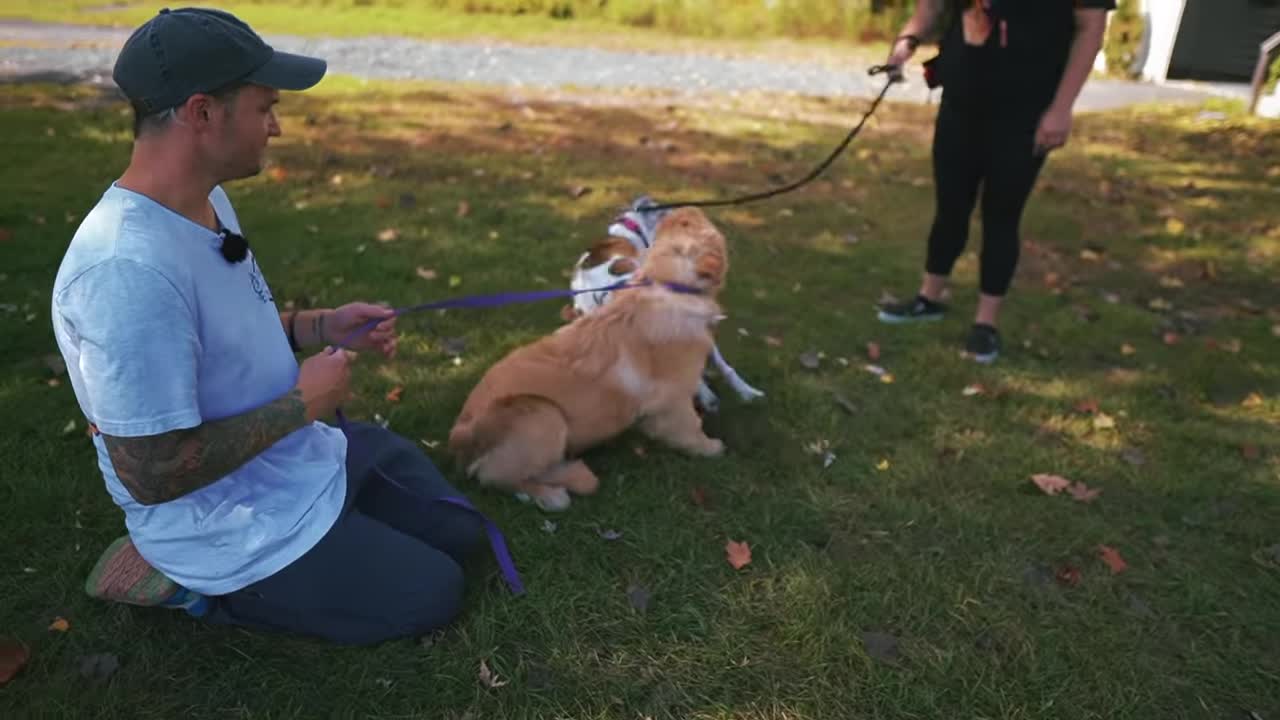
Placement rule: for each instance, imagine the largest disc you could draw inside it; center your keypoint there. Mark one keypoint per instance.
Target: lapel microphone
(235, 247)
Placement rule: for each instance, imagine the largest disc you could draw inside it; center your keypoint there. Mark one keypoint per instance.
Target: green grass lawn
(925, 527)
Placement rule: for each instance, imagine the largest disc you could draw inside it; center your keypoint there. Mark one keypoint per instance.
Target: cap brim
(286, 71)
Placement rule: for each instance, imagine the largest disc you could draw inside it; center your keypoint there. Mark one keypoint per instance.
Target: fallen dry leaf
(1050, 484)
(1083, 493)
(772, 341)
(1087, 407)
(100, 666)
(1134, 456)
(1168, 281)
(1171, 338)
(638, 597)
(489, 678)
(5, 235)
(277, 173)
(738, 554)
(1252, 400)
(427, 273)
(880, 646)
(974, 389)
(873, 351)
(1103, 421)
(464, 208)
(882, 465)
(699, 496)
(60, 625)
(1250, 452)
(580, 190)
(388, 235)
(1068, 575)
(394, 394)
(845, 404)
(1174, 226)
(1112, 558)
(1127, 349)
(13, 657)
(810, 360)
(383, 202)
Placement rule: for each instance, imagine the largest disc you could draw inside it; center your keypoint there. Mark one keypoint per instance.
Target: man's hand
(1054, 129)
(352, 316)
(324, 382)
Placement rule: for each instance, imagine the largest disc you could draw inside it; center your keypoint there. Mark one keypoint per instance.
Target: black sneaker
(919, 309)
(984, 343)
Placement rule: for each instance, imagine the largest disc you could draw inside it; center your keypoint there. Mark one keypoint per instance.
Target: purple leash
(497, 541)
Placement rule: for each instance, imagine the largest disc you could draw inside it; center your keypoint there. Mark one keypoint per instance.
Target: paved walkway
(74, 52)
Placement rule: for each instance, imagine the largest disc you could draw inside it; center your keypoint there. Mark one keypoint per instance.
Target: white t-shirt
(160, 332)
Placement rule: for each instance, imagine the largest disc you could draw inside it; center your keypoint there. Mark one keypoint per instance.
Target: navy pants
(391, 565)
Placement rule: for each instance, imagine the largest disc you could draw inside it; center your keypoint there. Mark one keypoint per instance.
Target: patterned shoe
(918, 309)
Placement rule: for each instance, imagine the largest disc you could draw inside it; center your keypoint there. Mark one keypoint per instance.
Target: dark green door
(1218, 39)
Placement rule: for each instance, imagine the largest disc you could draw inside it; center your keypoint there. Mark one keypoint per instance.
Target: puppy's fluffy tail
(518, 437)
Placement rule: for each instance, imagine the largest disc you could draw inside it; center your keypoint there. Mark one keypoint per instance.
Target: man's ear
(197, 110)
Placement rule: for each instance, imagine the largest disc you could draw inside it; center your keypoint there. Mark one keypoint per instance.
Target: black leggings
(979, 142)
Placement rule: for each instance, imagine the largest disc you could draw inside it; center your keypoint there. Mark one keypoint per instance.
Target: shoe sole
(986, 359)
(900, 320)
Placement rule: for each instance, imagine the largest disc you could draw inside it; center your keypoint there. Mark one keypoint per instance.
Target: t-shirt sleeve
(139, 348)
(1095, 4)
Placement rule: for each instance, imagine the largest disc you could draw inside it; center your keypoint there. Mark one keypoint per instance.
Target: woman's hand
(1054, 128)
(899, 53)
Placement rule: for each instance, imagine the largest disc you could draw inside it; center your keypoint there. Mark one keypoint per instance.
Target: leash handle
(895, 76)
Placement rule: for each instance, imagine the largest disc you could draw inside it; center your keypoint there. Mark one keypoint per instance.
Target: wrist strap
(293, 340)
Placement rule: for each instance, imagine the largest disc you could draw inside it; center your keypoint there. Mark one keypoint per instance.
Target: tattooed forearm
(160, 468)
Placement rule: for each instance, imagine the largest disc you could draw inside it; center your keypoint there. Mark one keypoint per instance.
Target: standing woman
(1011, 71)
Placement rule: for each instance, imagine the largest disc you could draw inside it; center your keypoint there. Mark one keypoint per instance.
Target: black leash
(894, 77)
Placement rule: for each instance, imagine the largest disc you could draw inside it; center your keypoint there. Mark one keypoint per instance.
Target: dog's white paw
(554, 499)
(707, 400)
(711, 448)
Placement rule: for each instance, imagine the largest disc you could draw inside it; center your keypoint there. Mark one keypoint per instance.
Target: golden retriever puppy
(637, 360)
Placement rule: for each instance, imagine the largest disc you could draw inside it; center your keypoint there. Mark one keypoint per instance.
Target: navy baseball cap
(179, 53)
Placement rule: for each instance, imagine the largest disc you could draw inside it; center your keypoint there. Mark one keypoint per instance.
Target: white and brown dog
(635, 360)
(615, 259)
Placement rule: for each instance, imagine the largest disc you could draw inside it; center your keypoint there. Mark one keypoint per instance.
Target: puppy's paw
(710, 447)
(706, 399)
(554, 499)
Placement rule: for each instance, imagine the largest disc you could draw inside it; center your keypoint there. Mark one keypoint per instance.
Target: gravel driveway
(69, 52)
